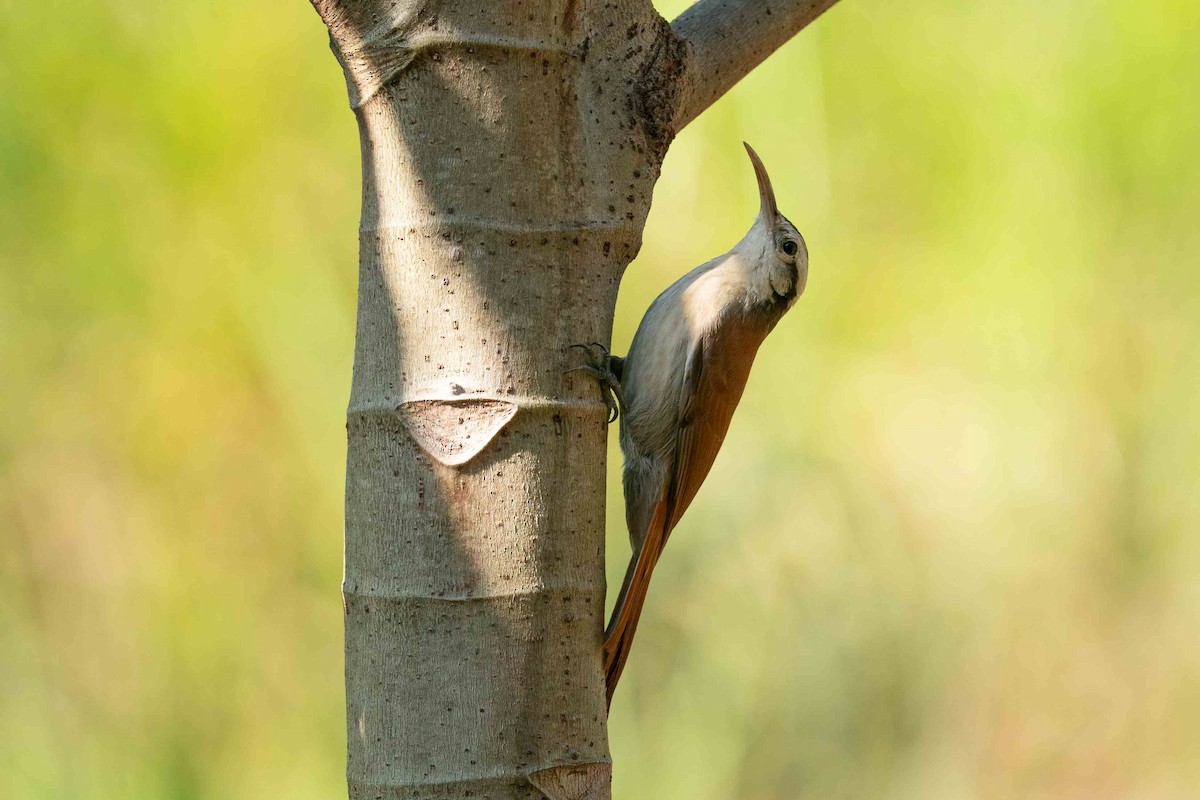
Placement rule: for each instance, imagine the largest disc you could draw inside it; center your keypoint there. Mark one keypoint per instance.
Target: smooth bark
(509, 154)
(728, 38)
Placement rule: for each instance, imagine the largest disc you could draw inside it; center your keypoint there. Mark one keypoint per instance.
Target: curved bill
(766, 194)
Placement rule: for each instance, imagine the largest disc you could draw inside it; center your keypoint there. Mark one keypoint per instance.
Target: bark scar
(574, 781)
(454, 430)
(657, 89)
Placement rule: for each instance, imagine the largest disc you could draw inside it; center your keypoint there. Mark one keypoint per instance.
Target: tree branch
(728, 38)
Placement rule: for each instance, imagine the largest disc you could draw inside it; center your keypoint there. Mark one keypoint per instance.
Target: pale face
(788, 271)
(783, 257)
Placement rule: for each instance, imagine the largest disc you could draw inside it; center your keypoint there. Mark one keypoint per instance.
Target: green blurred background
(949, 550)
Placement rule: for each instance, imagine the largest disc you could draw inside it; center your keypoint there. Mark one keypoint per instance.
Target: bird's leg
(607, 370)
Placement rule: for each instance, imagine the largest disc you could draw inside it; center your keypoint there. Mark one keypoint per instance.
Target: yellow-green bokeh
(949, 550)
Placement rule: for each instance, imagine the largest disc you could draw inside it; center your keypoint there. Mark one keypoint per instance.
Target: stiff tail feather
(619, 636)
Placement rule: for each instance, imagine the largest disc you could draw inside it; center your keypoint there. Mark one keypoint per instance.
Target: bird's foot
(606, 368)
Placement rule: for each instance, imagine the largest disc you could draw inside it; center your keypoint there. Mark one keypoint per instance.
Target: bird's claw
(588, 347)
(600, 366)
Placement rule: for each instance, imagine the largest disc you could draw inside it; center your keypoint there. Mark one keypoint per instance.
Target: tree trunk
(509, 153)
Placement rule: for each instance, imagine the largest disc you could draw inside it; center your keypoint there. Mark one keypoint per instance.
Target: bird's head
(773, 249)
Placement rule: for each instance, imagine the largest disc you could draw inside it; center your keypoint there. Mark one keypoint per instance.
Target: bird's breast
(729, 353)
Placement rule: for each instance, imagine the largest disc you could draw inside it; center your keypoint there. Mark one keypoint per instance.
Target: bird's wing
(695, 448)
(715, 377)
(619, 635)
(683, 483)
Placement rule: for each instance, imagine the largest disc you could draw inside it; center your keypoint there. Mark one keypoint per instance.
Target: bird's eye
(789, 247)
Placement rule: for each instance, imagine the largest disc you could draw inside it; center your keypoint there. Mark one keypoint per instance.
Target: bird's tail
(619, 636)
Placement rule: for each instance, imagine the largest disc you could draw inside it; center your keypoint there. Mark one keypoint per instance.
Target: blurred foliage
(949, 550)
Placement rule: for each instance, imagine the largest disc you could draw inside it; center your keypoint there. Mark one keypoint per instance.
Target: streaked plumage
(682, 380)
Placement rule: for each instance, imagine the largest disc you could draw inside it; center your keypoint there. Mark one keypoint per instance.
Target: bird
(676, 389)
